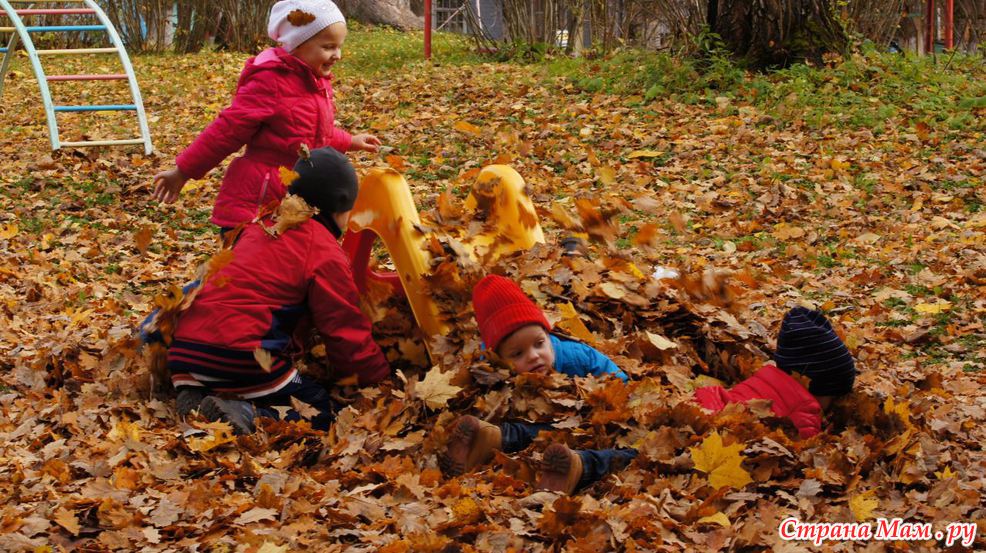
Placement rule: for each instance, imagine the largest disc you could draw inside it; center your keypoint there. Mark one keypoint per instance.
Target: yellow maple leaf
(718, 518)
(8, 231)
(901, 409)
(607, 175)
(839, 165)
(435, 389)
(933, 308)
(572, 323)
(945, 474)
(645, 154)
(721, 463)
(862, 505)
(125, 430)
(222, 433)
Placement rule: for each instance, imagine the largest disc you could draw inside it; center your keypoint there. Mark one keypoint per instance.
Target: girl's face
(528, 349)
(323, 50)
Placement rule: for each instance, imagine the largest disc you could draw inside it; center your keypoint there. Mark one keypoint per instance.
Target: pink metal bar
(102, 77)
(55, 11)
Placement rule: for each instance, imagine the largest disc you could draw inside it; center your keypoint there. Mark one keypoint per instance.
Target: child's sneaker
(239, 414)
(472, 443)
(561, 469)
(188, 400)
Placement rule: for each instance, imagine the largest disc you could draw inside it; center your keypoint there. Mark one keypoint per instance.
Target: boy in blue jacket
(513, 327)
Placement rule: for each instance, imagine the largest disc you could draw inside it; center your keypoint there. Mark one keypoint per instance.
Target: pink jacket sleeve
(788, 398)
(340, 139)
(255, 101)
(334, 303)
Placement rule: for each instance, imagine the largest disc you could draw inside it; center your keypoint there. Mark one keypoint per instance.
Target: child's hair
(502, 308)
(292, 22)
(808, 345)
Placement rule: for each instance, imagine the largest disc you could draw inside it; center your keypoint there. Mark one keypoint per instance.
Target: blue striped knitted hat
(808, 345)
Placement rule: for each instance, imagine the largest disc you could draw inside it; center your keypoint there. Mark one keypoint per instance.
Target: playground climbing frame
(21, 33)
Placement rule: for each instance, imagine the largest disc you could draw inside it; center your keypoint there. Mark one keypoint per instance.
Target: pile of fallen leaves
(880, 230)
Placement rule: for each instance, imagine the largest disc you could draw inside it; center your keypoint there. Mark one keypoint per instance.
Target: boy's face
(528, 349)
(323, 50)
(342, 219)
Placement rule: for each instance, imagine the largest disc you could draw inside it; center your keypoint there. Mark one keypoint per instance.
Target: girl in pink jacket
(283, 101)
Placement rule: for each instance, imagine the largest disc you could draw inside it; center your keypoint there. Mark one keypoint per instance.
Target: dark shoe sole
(561, 469)
(228, 410)
(471, 444)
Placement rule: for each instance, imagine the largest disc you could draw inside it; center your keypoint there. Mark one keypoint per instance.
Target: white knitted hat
(295, 21)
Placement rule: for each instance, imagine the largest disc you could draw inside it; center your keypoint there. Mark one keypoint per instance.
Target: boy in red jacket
(248, 312)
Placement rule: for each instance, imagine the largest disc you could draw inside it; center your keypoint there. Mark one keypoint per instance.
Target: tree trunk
(395, 13)
(777, 33)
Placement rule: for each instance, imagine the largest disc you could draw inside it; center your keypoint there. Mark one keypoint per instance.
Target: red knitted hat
(502, 308)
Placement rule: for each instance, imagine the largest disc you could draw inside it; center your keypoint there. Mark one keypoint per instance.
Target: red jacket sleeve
(255, 101)
(788, 398)
(334, 304)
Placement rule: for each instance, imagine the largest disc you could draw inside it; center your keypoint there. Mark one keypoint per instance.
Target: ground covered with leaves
(825, 188)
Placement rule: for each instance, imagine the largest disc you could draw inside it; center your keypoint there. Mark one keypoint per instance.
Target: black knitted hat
(808, 345)
(326, 180)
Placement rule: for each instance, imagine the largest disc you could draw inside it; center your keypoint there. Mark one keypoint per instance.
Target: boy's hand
(167, 185)
(366, 142)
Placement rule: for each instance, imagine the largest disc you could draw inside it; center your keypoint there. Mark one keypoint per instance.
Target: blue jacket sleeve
(577, 359)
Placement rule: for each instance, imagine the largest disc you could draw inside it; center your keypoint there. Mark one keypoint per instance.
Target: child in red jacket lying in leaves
(256, 302)
(806, 344)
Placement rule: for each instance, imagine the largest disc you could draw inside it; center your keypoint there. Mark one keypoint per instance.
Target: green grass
(371, 51)
(869, 90)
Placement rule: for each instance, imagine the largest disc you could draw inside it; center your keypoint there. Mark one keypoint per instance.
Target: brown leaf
(67, 520)
(435, 389)
(305, 410)
(300, 18)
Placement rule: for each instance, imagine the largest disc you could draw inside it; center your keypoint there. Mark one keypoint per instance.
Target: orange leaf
(467, 127)
(646, 235)
(142, 238)
(396, 162)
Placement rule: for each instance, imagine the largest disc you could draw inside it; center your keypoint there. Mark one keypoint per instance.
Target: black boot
(239, 414)
(188, 399)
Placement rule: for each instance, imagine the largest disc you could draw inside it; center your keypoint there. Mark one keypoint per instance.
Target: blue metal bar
(55, 28)
(3, 50)
(119, 107)
(145, 131)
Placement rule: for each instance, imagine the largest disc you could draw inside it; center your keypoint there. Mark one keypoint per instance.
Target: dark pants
(302, 388)
(596, 463)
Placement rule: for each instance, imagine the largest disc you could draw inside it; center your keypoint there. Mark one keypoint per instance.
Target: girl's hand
(167, 185)
(366, 142)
